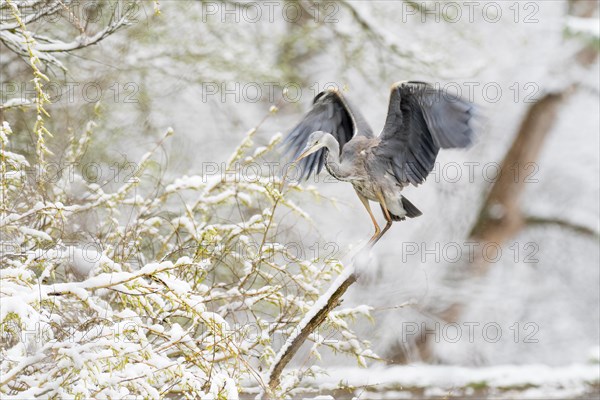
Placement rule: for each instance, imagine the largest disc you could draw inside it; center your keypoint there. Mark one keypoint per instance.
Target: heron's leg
(387, 216)
(365, 202)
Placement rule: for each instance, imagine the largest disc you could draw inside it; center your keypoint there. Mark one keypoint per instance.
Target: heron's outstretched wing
(330, 113)
(420, 121)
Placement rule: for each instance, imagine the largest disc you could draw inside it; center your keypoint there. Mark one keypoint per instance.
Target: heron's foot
(379, 234)
(375, 237)
(374, 240)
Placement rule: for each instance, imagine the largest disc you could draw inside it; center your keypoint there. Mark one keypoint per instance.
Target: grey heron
(420, 121)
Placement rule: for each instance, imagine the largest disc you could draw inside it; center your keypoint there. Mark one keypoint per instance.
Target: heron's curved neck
(336, 168)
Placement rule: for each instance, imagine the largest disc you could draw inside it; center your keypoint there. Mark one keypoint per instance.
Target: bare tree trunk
(500, 217)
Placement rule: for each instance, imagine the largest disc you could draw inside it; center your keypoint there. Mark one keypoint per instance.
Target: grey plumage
(331, 113)
(421, 120)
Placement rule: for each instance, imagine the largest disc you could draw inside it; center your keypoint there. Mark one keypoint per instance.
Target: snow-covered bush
(150, 289)
(141, 286)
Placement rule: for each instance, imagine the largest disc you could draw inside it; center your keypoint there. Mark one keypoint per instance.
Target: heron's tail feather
(411, 210)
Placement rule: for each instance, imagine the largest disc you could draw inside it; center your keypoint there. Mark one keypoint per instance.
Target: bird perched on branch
(420, 121)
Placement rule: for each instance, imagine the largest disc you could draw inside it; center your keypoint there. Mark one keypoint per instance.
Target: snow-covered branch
(309, 323)
(17, 36)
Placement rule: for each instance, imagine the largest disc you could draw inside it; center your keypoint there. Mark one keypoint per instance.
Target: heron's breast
(378, 182)
(366, 189)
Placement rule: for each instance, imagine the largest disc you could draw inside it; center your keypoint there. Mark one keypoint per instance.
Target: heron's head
(316, 141)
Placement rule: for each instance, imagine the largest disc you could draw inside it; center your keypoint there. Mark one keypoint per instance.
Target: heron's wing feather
(330, 113)
(420, 121)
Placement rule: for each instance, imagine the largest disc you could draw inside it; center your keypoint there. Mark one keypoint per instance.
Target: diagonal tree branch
(578, 228)
(311, 322)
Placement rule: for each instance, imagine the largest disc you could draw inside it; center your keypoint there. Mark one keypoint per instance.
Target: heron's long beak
(308, 152)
